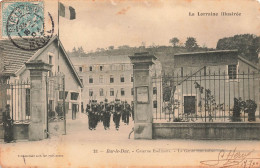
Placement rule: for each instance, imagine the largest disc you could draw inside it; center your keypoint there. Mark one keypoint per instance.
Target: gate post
(38, 104)
(143, 92)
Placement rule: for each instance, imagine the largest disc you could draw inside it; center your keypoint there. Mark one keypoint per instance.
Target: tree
(111, 47)
(191, 44)
(174, 41)
(123, 47)
(248, 45)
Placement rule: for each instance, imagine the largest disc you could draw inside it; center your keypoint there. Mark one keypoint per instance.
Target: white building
(108, 77)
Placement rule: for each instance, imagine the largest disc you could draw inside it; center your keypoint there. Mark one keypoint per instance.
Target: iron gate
(55, 95)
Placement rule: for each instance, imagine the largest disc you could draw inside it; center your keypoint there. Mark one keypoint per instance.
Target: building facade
(108, 77)
(15, 73)
(209, 83)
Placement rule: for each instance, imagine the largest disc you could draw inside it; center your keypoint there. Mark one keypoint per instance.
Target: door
(189, 104)
(74, 111)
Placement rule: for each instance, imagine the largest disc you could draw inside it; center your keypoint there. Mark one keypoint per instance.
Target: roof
(208, 52)
(15, 58)
(93, 60)
(248, 63)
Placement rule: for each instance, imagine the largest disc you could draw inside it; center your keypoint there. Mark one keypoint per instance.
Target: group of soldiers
(102, 112)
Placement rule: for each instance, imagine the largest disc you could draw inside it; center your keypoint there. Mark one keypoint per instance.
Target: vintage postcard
(129, 83)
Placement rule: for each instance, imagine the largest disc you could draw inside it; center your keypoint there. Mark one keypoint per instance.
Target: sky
(104, 23)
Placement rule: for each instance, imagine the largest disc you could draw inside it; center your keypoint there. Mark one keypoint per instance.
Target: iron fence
(16, 96)
(207, 96)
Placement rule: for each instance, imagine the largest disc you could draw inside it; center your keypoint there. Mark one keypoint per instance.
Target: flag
(67, 12)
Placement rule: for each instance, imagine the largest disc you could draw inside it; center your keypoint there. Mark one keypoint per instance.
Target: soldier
(90, 115)
(8, 125)
(117, 114)
(132, 110)
(127, 112)
(123, 112)
(106, 115)
(95, 114)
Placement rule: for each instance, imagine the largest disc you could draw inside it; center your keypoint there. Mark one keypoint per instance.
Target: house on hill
(207, 84)
(14, 72)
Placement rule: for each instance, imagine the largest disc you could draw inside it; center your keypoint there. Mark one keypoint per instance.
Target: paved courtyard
(84, 148)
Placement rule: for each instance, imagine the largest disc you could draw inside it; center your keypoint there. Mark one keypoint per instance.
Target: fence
(17, 98)
(207, 96)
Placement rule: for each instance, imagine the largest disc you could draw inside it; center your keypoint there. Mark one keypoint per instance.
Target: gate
(55, 95)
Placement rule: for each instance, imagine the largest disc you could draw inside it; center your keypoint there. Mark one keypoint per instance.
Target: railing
(206, 96)
(17, 99)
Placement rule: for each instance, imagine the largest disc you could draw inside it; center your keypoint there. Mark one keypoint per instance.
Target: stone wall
(207, 131)
(20, 131)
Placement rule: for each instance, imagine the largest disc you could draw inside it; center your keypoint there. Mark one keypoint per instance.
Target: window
(132, 91)
(122, 79)
(74, 95)
(232, 71)
(154, 104)
(122, 67)
(61, 94)
(101, 68)
(132, 78)
(90, 68)
(51, 63)
(154, 90)
(122, 92)
(50, 60)
(101, 79)
(90, 79)
(111, 92)
(101, 92)
(27, 102)
(90, 92)
(111, 79)
(181, 71)
(80, 69)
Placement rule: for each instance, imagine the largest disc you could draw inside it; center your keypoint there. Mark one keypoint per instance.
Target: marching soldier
(132, 110)
(123, 112)
(90, 115)
(127, 112)
(96, 114)
(106, 115)
(117, 114)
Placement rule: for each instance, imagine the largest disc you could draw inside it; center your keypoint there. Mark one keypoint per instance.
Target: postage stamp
(23, 24)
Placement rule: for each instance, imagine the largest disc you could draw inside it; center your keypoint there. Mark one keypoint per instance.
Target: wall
(20, 131)
(207, 131)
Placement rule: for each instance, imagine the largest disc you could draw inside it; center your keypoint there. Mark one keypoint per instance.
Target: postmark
(26, 29)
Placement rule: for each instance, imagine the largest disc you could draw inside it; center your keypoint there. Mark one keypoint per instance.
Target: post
(38, 104)
(143, 92)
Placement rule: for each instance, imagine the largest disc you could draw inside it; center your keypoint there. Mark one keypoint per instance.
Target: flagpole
(58, 34)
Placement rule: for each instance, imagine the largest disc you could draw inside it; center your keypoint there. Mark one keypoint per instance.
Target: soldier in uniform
(106, 115)
(95, 114)
(123, 112)
(90, 115)
(127, 112)
(132, 110)
(8, 125)
(117, 114)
